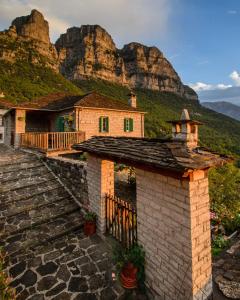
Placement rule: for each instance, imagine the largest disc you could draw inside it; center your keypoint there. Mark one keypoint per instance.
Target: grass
(26, 74)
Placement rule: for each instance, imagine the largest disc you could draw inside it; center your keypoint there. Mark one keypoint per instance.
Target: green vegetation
(134, 255)
(6, 291)
(90, 216)
(224, 190)
(219, 244)
(23, 81)
(219, 133)
(26, 74)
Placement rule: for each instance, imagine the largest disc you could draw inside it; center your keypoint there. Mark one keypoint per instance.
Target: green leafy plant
(135, 255)
(6, 291)
(90, 216)
(224, 190)
(220, 242)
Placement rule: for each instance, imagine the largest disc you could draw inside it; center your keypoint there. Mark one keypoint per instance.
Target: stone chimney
(132, 101)
(185, 130)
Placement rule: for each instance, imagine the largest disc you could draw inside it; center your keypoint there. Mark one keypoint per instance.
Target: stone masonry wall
(73, 175)
(87, 120)
(173, 227)
(100, 177)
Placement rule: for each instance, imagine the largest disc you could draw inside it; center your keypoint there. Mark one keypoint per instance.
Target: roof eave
(111, 109)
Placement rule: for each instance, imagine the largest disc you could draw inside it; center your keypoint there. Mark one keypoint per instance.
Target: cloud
(235, 76)
(232, 12)
(125, 20)
(201, 86)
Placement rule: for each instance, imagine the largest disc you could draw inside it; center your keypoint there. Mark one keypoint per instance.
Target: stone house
(55, 122)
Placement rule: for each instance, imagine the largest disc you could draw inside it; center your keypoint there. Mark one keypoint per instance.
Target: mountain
(90, 52)
(225, 108)
(29, 64)
(231, 94)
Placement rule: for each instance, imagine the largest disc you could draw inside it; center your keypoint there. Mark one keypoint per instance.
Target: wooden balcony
(51, 142)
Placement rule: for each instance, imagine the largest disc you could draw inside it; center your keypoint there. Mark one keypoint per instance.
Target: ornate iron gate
(121, 221)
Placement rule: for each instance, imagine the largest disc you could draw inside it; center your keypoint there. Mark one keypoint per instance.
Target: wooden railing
(51, 141)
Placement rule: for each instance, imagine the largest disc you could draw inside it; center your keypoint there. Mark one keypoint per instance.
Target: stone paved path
(226, 273)
(41, 229)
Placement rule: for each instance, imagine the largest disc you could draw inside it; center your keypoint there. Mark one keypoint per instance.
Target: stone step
(45, 197)
(25, 182)
(21, 173)
(28, 190)
(39, 214)
(24, 240)
(10, 158)
(21, 164)
(22, 223)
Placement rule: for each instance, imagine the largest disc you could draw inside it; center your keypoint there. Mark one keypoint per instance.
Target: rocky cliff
(28, 39)
(33, 26)
(89, 51)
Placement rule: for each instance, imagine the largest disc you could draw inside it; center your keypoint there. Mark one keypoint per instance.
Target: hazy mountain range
(225, 108)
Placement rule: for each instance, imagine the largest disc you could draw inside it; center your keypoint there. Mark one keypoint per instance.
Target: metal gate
(121, 220)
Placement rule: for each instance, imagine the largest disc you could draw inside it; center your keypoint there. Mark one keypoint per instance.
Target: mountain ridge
(225, 108)
(89, 51)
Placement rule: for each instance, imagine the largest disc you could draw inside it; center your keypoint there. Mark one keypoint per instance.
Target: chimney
(185, 130)
(132, 101)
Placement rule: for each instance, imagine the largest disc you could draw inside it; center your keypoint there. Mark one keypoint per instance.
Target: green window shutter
(60, 124)
(107, 124)
(130, 124)
(125, 125)
(100, 124)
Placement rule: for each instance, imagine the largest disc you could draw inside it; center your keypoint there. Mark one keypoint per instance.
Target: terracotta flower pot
(89, 228)
(128, 276)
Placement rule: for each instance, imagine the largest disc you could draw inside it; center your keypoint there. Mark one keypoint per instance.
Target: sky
(199, 37)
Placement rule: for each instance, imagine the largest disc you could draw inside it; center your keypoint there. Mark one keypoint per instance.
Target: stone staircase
(41, 230)
(34, 207)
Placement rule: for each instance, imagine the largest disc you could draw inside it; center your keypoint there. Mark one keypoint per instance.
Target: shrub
(6, 291)
(90, 216)
(135, 255)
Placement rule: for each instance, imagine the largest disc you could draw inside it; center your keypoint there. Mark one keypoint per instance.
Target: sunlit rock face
(89, 51)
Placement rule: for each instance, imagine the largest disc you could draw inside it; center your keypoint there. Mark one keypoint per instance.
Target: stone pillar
(100, 178)
(20, 125)
(174, 229)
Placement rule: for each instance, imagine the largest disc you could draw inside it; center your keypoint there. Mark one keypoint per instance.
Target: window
(1, 137)
(128, 125)
(103, 124)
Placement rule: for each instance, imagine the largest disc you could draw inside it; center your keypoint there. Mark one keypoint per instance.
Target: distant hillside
(225, 108)
(219, 132)
(231, 94)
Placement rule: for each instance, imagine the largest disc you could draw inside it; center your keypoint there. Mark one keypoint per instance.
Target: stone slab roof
(154, 153)
(61, 101)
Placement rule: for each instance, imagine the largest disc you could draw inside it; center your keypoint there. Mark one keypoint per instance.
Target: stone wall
(88, 120)
(173, 228)
(73, 175)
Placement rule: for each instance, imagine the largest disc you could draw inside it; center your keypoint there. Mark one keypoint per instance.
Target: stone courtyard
(42, 231)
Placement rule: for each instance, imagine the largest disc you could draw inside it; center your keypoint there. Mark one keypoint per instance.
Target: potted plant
(130, 265)
(90, 223)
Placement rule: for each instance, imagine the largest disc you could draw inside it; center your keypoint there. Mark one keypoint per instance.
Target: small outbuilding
(172, 202)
